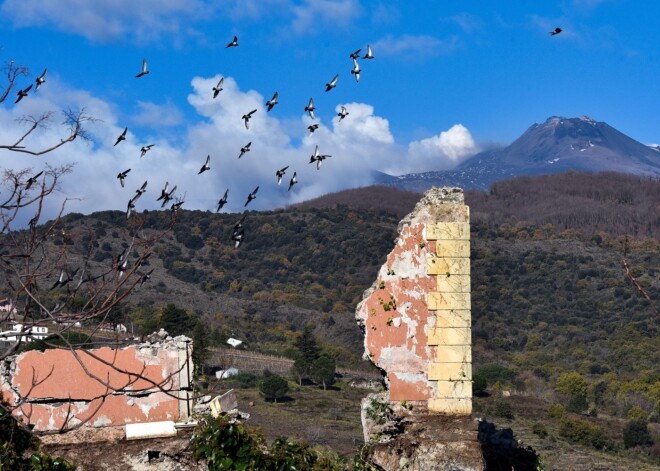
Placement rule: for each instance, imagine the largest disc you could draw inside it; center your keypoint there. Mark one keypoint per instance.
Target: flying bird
(145, 277)
(140, 191)
(168, 197)
(356, 54)
(145, 149)
(356, 70)
(332, 84)
(244, 149)
(280, 173)
(41, 80)
(163, 192)
(234, 43)
(223, 201)
(318, 158)
(555, 31)
(218, 88)
(246, 117)
(23, 93)
(144, 69)
(293, 181)
(369, 54)
(32, 180)
(251, 196)
(237, 237)
(239, 224)
(272, 102)
(310, 108)
(130, 208)
(122, 176)
(342, 113)
(174, 209)
(64, 278)
(206, 166)
(312, 128)
(121, 137)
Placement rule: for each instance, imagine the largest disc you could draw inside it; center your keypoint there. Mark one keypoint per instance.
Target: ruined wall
(56, 389)
(416, 316)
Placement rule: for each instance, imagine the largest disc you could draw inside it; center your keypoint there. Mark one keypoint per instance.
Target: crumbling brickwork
(57, 389)
(416, 316)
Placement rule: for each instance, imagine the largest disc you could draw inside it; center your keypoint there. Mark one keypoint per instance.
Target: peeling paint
(43, 383)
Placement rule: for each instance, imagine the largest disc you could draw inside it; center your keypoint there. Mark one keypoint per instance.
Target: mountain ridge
(557, 145)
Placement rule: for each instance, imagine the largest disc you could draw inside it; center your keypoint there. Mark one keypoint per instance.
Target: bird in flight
(206, 166)
(251, 196)
(555, 31)
(130, 209)
(244, 149)
(145, 277)
(223, 201)
(332, 84)
(356, 54)
(318, 158)
(369, 54)
(122, 176)
(293, 181)
(145, 149)
(234, 43)
(64, 278)
(40, 80)
(218, 88)
(163, 192)
(342, 113)
(237, 237)
(246, 117)
(23, 93)
(356, 70)
(121, 137)
(312, 128)
(32, 180)
(310, 108)
(280, 173)
(140, 191)
(144, 69)
(168, 196)
(272, 102)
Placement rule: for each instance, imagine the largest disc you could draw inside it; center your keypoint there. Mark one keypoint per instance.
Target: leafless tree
(47, 271)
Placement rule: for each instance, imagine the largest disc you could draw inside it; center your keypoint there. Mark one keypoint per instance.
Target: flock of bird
(120, 264)
(317, 157)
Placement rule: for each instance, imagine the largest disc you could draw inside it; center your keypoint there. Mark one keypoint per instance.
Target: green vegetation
(636, 433)
(232, 446)
(20, 450)
(273, 387)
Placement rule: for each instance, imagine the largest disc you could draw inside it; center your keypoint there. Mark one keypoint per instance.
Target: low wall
(58, 389)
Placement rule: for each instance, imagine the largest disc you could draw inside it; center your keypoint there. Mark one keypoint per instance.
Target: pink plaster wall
(73, 386)
(396, 327)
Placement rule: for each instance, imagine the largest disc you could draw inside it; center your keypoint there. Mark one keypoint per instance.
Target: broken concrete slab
(224, 403)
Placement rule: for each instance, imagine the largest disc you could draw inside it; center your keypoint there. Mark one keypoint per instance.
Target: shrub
(585, 433)
(539, 429)
(502, 409)
(556, 411)
(273, 387)
(636, 433)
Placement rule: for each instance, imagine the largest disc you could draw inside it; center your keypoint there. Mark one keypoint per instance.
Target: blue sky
(448, 80)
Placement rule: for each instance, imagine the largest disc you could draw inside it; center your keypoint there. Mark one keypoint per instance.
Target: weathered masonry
(58, 389)
(417, 315)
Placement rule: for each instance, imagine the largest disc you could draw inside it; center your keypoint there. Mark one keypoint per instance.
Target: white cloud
(105, 20)
(414, 47)
(442, 152)
(357, 144)
(467, 21)
(311, 15)
(155, 115)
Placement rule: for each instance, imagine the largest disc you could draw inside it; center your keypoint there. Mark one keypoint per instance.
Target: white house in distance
(35, 332)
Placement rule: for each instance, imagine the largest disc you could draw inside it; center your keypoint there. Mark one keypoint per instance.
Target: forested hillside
(550, 292)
